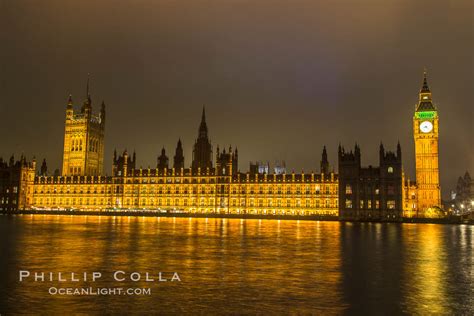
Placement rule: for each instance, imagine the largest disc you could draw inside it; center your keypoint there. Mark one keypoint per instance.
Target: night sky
(279, 79)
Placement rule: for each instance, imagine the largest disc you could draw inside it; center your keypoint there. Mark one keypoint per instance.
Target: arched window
(390, 170)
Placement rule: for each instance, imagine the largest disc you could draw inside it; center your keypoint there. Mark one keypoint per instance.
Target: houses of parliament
(213, 184)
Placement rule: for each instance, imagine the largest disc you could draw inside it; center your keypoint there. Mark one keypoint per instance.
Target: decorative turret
(22, 160)
(178, 160)
(70, 104)
(235, 161)
(324, 162)
(102, 113)
(357, 152)
(226, 162)
(123, 164)
(467, 177)
(44, 168)
(163, 160)
(69, 108)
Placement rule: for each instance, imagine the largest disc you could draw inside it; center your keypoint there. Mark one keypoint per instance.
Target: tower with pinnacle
(83, 153)
(202, 150)
(426, 134)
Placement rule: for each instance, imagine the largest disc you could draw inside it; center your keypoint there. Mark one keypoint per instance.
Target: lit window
(348, 189)
(391, 204)
(390, 170)
(348, 203)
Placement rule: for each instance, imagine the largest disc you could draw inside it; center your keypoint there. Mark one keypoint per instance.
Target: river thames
(234, 266)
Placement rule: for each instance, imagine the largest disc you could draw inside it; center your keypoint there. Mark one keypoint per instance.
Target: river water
(233, 266)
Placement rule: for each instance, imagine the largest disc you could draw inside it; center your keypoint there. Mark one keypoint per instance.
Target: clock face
(426, 126)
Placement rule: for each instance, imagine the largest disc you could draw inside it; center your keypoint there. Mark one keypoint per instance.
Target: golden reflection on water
(425, 269)
(438, 268)
(236, 265)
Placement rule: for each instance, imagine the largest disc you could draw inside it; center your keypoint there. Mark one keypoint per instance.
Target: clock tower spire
(425, 101)
(426, 133)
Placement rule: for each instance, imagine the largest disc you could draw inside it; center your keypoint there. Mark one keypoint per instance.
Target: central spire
(202, 151)
(87, 86)
(324, 162)
(203, 125)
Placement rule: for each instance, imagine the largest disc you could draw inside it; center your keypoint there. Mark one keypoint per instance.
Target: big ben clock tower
(425, 131)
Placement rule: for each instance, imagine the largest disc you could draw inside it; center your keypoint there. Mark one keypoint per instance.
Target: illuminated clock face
(426, 127)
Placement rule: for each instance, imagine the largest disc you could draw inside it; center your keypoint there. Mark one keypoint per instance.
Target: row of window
(5, 200)
(368, 204)
(76, 145)
(186, 202)
(187, 189)
(7, 190)
(75, 170)
(369, 190)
